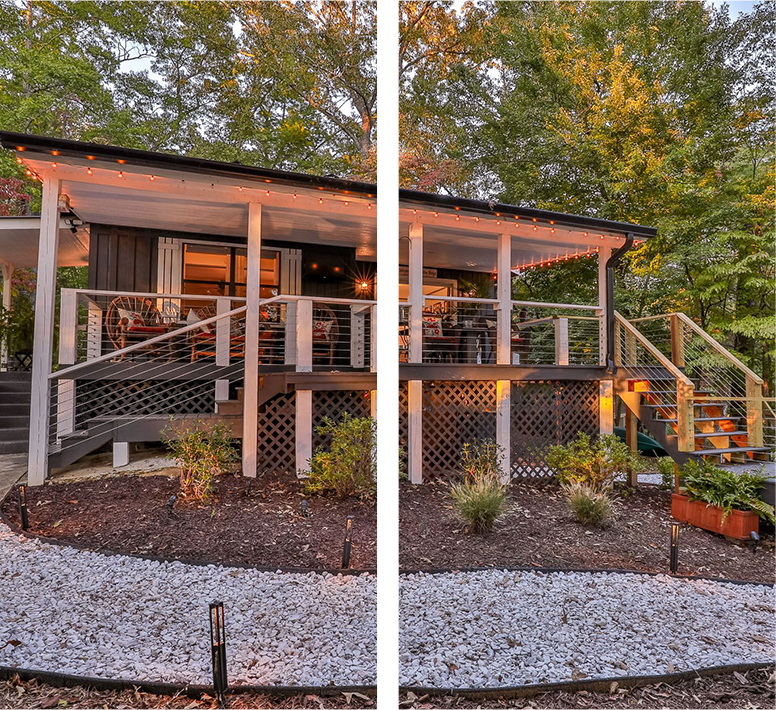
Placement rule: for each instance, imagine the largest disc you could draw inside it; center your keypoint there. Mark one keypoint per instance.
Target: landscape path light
(674, 547)
(23, 515)
(218, 652)
(347, 544)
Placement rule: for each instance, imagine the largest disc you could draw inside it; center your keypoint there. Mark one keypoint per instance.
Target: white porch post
(7, 269)
(504, 352)
(504, 288)
(223, 335)
(304, 335)
(603, 256)
(415, 300)
(304, 429)
(561, 341)
(415, 430)
(68, 334)
(45, 292)
(373, 340)
(251, 382)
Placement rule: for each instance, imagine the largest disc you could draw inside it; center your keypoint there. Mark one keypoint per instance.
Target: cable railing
(665, 388)
(728, 398)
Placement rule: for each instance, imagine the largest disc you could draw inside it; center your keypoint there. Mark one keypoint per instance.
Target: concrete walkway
(12, 468)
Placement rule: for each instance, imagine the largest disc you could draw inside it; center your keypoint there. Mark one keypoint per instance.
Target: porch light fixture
(218, 652)
(674, 560)
(348, 543)
(23, 515)
(364, 286)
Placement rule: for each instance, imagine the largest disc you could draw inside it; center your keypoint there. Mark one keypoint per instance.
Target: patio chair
(440, 342)
(133, 318)
(203, 341)
(325, 332)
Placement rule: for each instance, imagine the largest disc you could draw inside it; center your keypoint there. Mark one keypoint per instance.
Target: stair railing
(726, 380)
(643, 361)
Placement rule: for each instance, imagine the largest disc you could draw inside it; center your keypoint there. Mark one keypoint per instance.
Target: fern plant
(713, 485)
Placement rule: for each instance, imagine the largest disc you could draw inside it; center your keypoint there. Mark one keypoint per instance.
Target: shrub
(713, 485)
(348, 467)
(665, 467)
(203, 451)
(479, 502)
(595, 462)
(479, 497)
(590, 506)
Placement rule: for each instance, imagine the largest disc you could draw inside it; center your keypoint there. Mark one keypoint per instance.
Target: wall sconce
(363, 286)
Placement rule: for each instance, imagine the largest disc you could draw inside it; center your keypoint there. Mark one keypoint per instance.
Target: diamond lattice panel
(403, 423)
(277, 443)
(548, 413)
(333, 404)
(455, 413)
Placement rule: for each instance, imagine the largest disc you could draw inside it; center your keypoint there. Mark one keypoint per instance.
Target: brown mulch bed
(754, 690)
(258, 523)
(538, 530)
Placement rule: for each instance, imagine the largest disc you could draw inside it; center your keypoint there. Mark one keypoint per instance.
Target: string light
(121, 174)
(88, 171)
(153, 177)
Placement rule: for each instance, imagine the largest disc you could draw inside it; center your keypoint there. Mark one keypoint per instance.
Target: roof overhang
(19, 243)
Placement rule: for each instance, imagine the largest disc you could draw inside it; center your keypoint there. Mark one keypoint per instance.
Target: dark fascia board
(153, 160)
(431, 200)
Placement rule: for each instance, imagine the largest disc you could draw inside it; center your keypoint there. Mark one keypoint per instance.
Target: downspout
(613, 260)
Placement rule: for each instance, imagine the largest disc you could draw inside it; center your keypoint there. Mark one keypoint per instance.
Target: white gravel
(498, 628)
(89, 614)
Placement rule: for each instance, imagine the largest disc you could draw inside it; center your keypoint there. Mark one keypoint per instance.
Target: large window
(213, 270)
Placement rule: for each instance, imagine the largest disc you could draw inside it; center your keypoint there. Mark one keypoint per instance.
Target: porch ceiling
(19, 243)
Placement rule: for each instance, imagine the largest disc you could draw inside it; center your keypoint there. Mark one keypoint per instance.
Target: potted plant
(720, 501)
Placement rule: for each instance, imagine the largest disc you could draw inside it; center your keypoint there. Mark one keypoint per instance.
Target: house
(231, 293)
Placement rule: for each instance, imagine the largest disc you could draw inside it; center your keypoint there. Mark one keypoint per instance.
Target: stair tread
(669, 405)
(721, 433)
(733, 450)
(702, 419)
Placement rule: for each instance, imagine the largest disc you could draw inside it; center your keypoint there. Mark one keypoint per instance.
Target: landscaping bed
(539, 530)
(755, 690)
(249, 522)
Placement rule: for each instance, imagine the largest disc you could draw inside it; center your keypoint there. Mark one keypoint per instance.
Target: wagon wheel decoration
(325, 337)
(116, 329)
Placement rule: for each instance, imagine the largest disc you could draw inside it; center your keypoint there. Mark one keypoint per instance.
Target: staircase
(14, 412)
(689, 392)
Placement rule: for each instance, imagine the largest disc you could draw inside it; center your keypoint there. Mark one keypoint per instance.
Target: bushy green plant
(595, 462)
(347, 466)
(727, 489)
(590, 506)
(665, 467)
(203, 451)
(479, 496)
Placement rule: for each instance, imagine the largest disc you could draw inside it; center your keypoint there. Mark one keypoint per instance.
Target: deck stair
(14, 412)
(689, 392)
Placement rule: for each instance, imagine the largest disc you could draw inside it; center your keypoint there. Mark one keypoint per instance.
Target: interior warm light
(90, 157)
(121, 161)
(20, 147)
(54, 152)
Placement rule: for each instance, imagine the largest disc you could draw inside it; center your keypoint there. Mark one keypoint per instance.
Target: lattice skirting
(548, 413)
(542, 414)
(333, 404)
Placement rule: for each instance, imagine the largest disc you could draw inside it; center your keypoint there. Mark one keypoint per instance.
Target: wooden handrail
(652, 350)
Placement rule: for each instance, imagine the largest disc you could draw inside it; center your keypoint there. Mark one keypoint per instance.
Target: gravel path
(497, 628)
(89, 614)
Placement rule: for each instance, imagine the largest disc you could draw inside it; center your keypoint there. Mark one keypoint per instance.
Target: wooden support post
(618, 360)
(503, 426)
(42, 361)
(304, 429)
(603, 256)
(415, 298)
(504, 295)
(250, 440)
(373, 339)
(68, 334)
(754, 412)
(120, 454)
(677, 341)
(358, 336)
(289, 349)
(304, 336)
(415, 430)
(606, 406)
(223, 342)
(632, 440)
(561, 340)
(7, 270)
(373, 404)
(685, 424)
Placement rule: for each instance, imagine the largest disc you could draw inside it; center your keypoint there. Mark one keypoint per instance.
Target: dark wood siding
(122, 259)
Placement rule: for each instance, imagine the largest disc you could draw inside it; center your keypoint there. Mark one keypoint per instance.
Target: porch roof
(19, 242)
(204, 196)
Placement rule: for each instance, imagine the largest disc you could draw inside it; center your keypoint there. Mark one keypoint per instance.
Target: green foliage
(724, 488)
(203, 451)
(594, 462)
(590, 506)
(348, 467)
(666, 468)
(479, 497)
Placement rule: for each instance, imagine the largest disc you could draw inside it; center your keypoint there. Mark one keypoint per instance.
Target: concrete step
(14, 386)
(14, 434)
(16, 375)
(13, 447)
(8, 409)
(15, 397)
(11, 422)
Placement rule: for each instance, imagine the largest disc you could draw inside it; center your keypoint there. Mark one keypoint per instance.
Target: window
(212, 270)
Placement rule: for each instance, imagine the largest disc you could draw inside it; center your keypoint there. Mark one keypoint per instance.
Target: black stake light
(25, 518)
(305, 509)
(218, 652)
(347, 545)
(674, 547)
(170, 503)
